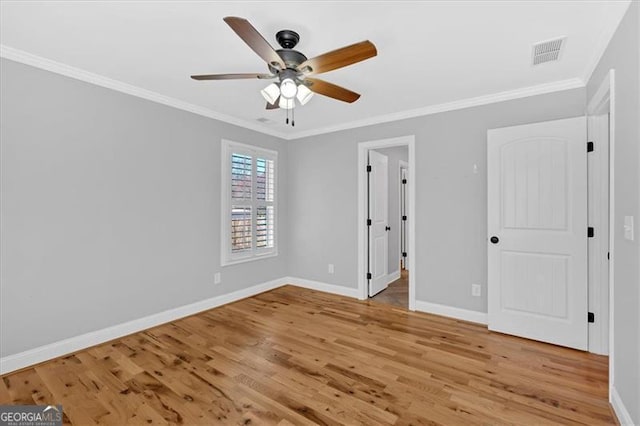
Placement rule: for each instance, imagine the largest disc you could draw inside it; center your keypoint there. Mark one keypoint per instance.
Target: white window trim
(226, 257)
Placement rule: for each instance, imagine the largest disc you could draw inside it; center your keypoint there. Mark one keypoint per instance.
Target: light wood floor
(397, 293)
(296, 356)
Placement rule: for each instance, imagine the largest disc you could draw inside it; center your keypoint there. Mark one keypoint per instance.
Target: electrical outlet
(217, 278)
(628, 228)
(476, 290)
(331, 268)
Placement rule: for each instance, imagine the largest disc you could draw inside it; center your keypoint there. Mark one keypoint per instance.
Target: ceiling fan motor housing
(292, 58)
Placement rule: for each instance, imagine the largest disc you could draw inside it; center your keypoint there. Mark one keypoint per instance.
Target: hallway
(397, 293)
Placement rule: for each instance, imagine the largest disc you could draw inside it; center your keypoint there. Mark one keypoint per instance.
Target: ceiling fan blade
(274, 105)
(231, 76)
(339, 58)
(331, 90)
(254, 40)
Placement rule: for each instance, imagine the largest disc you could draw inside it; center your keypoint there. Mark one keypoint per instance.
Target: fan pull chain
(293, 117)
(287, 120)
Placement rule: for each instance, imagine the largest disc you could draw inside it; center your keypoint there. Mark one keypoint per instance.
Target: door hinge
(591, 317)
(404, 254)
(368, 222)
(404, 218)
(404, 181)
(590, 232)
(368, 168)
(368, 275)
(589, 146)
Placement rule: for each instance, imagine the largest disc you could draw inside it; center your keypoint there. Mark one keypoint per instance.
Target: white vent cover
(547, 51)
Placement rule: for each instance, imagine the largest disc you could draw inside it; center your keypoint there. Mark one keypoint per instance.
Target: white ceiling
(429, 53)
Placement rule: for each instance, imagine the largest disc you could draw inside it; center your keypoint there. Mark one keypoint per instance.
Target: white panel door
(379, 215)
(537, 224)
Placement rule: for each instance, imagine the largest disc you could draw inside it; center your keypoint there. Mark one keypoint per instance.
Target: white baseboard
(393, 276)
(73, 344)
(320, 286)
(450, 311)
(619, 408)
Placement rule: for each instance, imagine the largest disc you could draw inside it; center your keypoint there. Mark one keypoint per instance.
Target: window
(248, 203)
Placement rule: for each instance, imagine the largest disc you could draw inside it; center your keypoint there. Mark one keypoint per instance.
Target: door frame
(601, 101)
(363, 149)
(402, 165)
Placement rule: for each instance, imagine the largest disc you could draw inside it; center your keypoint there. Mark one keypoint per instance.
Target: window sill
(248, 259)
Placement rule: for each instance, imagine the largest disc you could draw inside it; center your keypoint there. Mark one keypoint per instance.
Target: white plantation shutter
(240, 228)
(248, 202)
(241, 172)
(265, 193)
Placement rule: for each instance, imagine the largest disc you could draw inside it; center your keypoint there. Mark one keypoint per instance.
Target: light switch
(628, 228)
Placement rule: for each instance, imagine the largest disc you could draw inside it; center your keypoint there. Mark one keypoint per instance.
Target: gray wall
(110, 208)
(623, 55)
(451, 205)
(395, 155)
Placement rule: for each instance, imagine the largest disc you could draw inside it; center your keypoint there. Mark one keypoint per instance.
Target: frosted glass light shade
(271, 93)
(304, 94)
(286, 103)
(288, 88)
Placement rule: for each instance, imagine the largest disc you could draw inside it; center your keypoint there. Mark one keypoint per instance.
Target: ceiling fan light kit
(285, 103)
(271, 93)
(288, 88)
(293, 69)
(304, 94)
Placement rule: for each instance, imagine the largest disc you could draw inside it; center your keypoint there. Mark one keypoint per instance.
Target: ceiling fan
(292, 69)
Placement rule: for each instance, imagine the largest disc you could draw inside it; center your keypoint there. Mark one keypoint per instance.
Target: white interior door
(379, 215)
(537, 224)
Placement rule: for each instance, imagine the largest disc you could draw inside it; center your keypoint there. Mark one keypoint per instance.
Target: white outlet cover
(330, 268)
(476, 290)
(217, 278)
(628, 228)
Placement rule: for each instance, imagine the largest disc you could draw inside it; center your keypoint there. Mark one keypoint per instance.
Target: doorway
(384, 252)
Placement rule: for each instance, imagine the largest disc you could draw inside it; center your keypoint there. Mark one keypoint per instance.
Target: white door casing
(379, 215)
(404, 224)
(363, 194)
(537, 209)
(598, 246)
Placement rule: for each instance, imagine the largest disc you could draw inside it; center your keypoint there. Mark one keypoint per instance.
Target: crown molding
(99, 80)
(23, 57)
(525, 92)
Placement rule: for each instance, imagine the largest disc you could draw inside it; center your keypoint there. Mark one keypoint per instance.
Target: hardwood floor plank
(295, 356)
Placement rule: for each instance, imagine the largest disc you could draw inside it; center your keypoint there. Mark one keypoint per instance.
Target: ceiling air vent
(547, 51)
